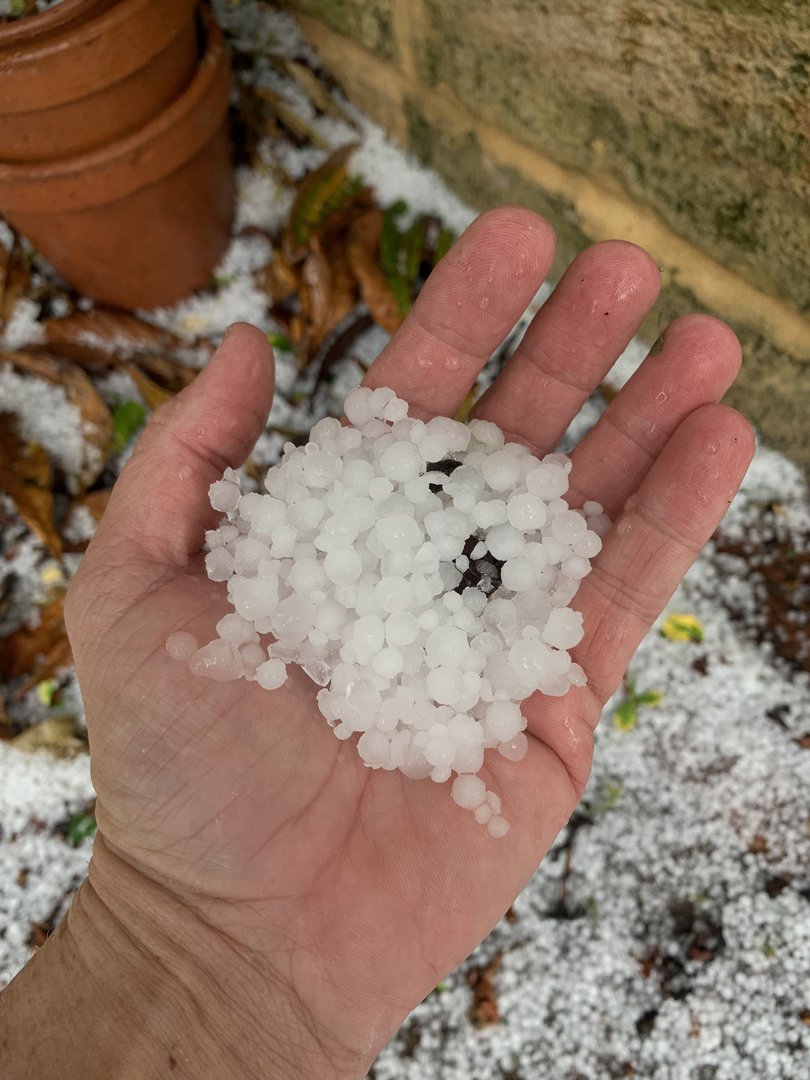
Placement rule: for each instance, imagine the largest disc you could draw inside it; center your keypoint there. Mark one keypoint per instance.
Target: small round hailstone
(468, 791)
(505, 541)
(502, 721)
(501, 470)
(419, 574)
(526, 512)
(224, 495)
(401, 462)
(182, 645)
(563, 628)
(547, 480)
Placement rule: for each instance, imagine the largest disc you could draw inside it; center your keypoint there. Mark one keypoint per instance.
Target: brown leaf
(484, 1007)
(363, 253)
(25, 476)
(153, 394)
(15, 278)
(312, 86)
(97, 425)
(57, 735)
(328, 294)
(40, 651)
(104, 337)
(287, 115)
(278, 279)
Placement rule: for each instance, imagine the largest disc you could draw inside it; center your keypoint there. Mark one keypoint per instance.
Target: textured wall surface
(684, 127)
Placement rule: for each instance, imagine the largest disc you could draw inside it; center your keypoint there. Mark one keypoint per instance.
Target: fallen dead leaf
(97, 425)
(328, 293)
(311, 85)
(102, 337)
(152, 393)
(484, 1010)
(363, 253)
(38, 652)
(58, 735)
(26, 476)
(286, 115)
(15, 278)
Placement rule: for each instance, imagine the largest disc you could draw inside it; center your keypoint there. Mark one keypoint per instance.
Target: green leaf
(610, 796)
(391, 237)
(650, 697)
(128, 419)
(46, 691)
(280, 341)
(81, 827)
(626, 715)
(441, 987)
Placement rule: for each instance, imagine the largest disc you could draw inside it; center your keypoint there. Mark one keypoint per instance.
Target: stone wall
(683, 127)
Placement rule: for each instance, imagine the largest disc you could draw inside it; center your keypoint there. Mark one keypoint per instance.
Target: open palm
(361, 888)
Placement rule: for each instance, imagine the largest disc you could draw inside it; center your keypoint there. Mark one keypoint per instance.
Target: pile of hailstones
(420, 573)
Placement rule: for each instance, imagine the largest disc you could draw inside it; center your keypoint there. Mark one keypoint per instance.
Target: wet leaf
(81, 827)
(280, 342)
(38, 652)
(95, 416)
(286, 114)
(363, 253)
(277, 279)
(15, 276)
(105, 337)
(626, 715)
(328, 295)
(444, 242)
(26, 477)
(128, 419)
(320, 194)
(153, 394)
(682, 628)
(46, 691)
(57, 735)
(311, 85)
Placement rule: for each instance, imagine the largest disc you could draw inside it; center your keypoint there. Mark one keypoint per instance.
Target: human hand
(350, 891)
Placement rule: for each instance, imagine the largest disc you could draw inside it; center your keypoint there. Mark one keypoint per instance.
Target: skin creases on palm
(359, 887)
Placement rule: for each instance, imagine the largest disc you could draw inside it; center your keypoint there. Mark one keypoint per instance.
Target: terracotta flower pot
(88, 71)
(142, 221)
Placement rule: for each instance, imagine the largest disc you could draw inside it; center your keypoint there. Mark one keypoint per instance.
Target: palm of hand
(360, 887)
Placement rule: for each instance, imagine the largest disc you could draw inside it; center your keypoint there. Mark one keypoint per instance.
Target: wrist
(139, 986)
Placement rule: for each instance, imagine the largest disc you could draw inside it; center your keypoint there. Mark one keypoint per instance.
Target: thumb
(161, 498)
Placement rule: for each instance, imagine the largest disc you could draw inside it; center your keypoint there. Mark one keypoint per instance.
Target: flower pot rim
(139, 158)
(21, 31)
(24, 63)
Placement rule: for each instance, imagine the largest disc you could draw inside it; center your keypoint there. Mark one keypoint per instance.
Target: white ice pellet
(426, 616)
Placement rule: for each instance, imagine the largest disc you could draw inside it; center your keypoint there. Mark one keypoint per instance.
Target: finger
(699, 360)
(571, 343)
(656, 539)
(161, 498)
(469, 303)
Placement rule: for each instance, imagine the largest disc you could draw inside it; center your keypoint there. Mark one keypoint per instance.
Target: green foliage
(625, 716)
(609, 798)
(280, 342)
(80, 828)
(46, 691)
(128, 419)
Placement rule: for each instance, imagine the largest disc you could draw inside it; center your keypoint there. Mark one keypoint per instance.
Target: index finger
(468, 305)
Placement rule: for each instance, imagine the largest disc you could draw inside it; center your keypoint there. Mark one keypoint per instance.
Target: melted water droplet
(483, 303)
(424, 363)
(660, 398)
(452, 363)
(711, 446)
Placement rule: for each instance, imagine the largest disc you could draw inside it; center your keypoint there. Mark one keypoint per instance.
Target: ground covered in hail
(667, 934)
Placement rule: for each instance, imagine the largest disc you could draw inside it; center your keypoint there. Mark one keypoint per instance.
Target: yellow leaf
(682, 628)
